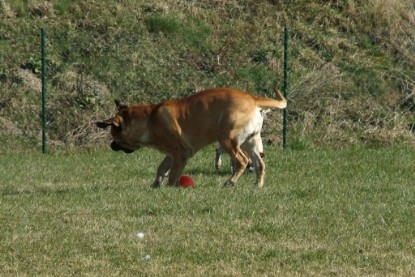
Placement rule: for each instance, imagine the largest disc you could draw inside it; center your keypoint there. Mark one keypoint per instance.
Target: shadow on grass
(46, 191)
(195, 170)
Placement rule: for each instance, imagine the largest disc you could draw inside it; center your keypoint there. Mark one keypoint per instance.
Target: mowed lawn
(321, 212)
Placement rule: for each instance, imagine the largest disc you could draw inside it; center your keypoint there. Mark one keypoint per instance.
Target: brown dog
(179, 128)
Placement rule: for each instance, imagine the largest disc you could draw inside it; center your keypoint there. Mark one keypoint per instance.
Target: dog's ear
(120, 106)
(109, 122)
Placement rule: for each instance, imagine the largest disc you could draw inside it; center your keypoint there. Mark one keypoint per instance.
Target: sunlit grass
(323, 212)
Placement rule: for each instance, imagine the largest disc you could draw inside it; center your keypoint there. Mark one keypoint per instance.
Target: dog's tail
(280, 102)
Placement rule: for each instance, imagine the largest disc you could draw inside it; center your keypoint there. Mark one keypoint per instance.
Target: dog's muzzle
(116, 147)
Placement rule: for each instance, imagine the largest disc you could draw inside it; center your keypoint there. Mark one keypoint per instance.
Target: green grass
(321, 212)
(164, 25)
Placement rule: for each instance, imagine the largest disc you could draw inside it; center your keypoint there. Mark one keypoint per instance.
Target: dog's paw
(155, 185)
(229, 183)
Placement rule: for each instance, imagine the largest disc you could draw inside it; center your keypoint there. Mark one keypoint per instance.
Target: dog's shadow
(195, 170)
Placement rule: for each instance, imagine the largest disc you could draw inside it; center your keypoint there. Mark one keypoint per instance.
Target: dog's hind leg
(253, 148)
(162, 170)
(239, 160)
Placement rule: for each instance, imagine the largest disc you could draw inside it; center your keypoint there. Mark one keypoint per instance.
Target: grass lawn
(321, 212)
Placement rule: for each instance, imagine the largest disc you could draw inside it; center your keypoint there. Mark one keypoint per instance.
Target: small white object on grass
(140, 235)
(146, 258)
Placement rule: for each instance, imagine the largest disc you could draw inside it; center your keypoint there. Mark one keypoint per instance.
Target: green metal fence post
(43, 35)
(285, 89)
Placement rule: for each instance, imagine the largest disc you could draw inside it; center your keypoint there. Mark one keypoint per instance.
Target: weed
(162, 24)
(62, 6)
(33, 64)
(297, 144)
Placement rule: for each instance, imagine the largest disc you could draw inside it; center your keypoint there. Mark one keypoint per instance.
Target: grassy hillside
(351, 64)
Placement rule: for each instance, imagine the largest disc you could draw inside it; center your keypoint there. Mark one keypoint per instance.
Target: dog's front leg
(162, 170)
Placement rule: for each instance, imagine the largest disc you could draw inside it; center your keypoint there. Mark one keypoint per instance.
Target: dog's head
(127, 126)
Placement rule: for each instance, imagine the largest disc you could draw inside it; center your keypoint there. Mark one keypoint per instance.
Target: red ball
(186, 181)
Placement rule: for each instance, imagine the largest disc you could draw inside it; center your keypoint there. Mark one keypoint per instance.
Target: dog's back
(215, 114)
